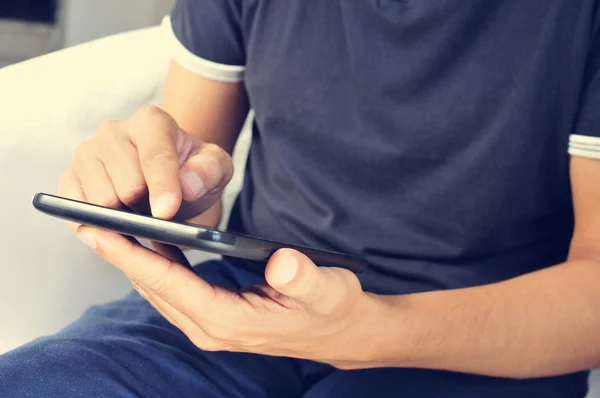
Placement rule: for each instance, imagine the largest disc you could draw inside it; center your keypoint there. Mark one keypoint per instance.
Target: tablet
(184, 234)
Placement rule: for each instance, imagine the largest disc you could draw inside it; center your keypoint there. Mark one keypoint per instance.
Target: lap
(125, 349)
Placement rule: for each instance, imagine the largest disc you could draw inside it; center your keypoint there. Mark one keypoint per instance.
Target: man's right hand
(147, 163)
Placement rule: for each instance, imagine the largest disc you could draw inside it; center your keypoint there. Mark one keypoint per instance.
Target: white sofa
(47, 106)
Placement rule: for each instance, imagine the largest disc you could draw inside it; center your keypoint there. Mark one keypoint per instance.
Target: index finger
(153, 133)
(173, 282)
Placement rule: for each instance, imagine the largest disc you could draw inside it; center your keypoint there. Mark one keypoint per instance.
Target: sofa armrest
(47, 106)
(71, 91)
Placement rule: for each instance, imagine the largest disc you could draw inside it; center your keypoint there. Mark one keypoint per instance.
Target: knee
(53, 367)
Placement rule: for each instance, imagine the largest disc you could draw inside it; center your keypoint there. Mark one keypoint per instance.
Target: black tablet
(183, 234)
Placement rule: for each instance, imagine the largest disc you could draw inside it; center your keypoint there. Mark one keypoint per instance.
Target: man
(429, 137)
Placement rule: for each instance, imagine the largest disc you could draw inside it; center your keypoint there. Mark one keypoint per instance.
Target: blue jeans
(126, 349)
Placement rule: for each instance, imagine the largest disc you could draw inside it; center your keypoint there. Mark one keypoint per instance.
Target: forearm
(540, 324)
(209, 110)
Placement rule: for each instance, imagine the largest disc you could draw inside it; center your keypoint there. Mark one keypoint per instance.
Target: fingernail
(87, 239)
(163, 204)
(193, 182)
(286, 271)
(212, 167)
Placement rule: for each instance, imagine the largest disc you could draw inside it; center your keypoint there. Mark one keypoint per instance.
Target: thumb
(294, 275)
(205, 171)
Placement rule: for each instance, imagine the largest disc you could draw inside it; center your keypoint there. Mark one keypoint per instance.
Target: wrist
(399, 340)
(385, 341)
(211, 217)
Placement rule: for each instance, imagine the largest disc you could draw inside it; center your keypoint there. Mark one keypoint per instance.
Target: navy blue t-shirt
(429, 136)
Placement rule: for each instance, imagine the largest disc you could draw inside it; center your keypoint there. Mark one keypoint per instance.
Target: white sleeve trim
(585, 146)
(196, 64)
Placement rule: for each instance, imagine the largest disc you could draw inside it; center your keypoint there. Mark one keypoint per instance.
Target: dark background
(43, 11)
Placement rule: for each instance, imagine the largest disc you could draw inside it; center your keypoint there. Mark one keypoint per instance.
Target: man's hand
(305, 311)
(148, 164)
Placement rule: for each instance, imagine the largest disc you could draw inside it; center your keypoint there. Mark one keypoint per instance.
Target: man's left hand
(304, 311)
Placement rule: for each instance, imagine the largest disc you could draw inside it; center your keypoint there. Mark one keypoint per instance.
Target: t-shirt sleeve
(205, 37)
(585, 138)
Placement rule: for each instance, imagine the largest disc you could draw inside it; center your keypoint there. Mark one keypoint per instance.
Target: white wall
(85, 20)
